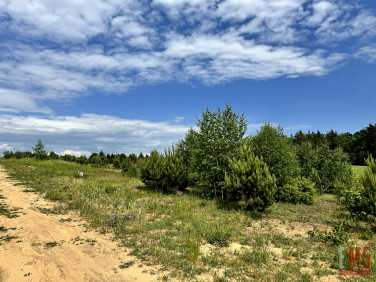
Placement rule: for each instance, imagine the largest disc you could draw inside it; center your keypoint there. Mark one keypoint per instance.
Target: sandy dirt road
(50, 247)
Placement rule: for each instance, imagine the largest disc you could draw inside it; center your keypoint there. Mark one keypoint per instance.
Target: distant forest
(357, 146)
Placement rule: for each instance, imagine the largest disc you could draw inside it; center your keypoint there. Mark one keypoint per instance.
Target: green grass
(358, 170)
(183, 234)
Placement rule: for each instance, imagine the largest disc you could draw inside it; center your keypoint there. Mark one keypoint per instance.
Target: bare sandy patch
(291, 229)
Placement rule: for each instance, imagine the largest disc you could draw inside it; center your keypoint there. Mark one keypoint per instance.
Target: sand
(50, 249)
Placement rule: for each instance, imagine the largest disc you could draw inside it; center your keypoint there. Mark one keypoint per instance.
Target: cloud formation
(54, 52)
(57, 51)
(88, 133)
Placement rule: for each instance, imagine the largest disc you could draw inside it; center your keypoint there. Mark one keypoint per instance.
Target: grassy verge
(190, 237)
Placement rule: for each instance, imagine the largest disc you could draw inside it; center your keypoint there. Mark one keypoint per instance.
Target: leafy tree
(39, 151)
(186, 147)
(277, 151)
(8, 154)
(219, 138)
(249, 181)
(333, 166)
(308, 158)
(53, 156)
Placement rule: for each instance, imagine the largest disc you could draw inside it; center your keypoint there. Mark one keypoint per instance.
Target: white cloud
(74, 153)
(58, 51)
(321, 10)
(88, 133)
(16, 101)
(220, 58)
(5, 147)
(367, 53)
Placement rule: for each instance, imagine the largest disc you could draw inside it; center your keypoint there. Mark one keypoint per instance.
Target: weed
(7, 238)
(65, 220)
(55, 210)
(49, 245)
(257, 256)
(337, 237)
(127, 264)
(218, 235)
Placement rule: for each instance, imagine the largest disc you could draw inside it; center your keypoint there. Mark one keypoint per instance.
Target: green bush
(174, 175)
(361, 199)
(250, 182)
(151, 170)
(166, 173)
(299, 190)
(134, 171)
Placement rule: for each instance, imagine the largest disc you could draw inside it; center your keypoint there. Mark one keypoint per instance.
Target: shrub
(361, 199)
(134, 171)
(165, 172)
(298, 190)
(151, 170)
(174, 175)
(250, 182)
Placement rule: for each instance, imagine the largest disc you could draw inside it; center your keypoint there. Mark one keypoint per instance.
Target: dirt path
(50, 247)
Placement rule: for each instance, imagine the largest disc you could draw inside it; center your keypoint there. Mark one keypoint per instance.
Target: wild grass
(189, 237)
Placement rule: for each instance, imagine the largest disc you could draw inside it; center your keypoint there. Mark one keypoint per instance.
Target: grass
(358, 170)
(187, 236)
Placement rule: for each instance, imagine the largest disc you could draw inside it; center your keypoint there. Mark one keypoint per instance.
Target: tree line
(357, 146)
(128, 163)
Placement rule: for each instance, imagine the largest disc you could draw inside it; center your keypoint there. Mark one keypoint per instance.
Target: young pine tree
(39, 151)
(249, 181)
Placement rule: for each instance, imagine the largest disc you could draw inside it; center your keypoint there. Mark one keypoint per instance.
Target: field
(190, 238)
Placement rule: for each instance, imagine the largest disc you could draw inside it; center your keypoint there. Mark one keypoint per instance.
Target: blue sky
(132, 76)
